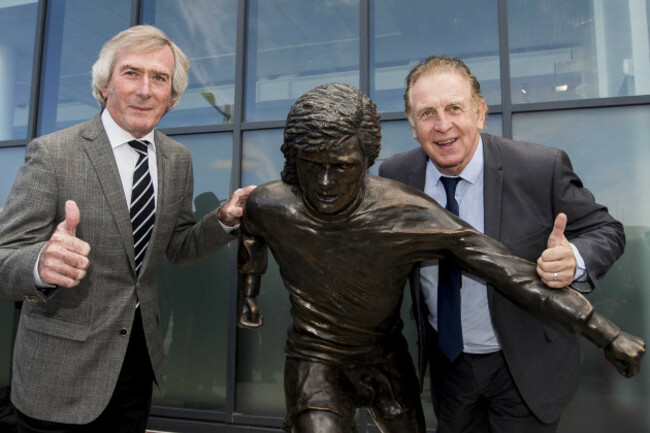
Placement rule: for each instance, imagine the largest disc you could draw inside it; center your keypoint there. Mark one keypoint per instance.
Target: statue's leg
(395, 395)
(322, 421)
(410, 421)
(318, 398)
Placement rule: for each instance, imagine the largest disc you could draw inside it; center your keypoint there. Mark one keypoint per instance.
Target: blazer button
(124, 332)
(31, 298)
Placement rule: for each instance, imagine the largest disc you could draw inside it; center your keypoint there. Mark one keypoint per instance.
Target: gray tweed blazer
(69, 349)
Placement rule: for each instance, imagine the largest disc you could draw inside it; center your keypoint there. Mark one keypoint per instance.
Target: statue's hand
(625, 352)
(249, 314)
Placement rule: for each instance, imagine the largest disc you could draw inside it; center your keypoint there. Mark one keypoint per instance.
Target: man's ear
(481, 112)
(412, 126)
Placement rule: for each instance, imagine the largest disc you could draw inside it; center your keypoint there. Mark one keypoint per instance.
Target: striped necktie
(143, 206)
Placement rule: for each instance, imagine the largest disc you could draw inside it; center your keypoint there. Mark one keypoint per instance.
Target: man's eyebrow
(138, 69)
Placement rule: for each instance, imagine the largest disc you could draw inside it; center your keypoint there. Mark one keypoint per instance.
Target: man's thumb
(72, 217)
(557, 235)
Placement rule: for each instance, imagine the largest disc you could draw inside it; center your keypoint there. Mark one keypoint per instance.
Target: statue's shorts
(389, 390)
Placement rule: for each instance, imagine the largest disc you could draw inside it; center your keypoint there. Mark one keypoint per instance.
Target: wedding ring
(555, 276)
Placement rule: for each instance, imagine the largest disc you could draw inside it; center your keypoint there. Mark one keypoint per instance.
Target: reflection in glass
(405, 32)
(11, 158)
(76, 31)
(260, 352)
(578, 49)
(194, 299)
(17, 35)
(294, 46)
(206, 32)
(613, 164)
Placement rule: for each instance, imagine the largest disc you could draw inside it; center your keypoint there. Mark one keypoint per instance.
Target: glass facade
(581, 49)
(403, 33)
(75, 31)
(260, 352)
(614, 168)
(17, 38)
(206, 32)
(292, 47)
(193, 299)
(573, 74)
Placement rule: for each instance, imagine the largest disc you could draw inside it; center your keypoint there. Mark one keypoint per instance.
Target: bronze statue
(345, 242)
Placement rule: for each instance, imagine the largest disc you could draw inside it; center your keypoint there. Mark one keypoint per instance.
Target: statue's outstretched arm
(517, 279)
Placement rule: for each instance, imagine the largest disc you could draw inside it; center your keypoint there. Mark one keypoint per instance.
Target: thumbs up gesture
(64, 258)
(557, 264)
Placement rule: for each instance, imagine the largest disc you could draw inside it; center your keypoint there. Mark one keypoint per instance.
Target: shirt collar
(472, 170)
(118, 136)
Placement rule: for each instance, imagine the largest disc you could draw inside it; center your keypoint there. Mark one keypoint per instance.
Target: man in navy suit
(516, 373)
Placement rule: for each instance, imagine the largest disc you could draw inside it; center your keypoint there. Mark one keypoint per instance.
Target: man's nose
(441, 123)
(144, 88)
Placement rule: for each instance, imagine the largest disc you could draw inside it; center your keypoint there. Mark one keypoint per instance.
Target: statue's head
(332, 136)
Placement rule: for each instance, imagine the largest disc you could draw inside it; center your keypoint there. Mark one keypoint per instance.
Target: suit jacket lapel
(492, 190)
(102, 158)
(417, 176)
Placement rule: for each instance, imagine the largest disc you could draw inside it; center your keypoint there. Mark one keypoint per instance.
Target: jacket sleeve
(597, 235)
(27, 222)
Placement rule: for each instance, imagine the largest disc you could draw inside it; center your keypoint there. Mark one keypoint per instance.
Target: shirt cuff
(226, 228)
(40, 284)
(581, 270)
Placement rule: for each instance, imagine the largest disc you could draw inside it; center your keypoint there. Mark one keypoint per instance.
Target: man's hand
(557, 264)
(625, 352)
(64, 258)
(249, 314)
(230, 213)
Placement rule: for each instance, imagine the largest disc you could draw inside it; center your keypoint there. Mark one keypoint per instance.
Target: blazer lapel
(102, 158)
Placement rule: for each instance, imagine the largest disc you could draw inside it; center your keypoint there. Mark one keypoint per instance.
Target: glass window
(17, 36)
(76, 31)
(294, 46)
(194, 299)
(613, 164)
(405, 32)
(260, 352)
(206, 31)
(11, 158)
(578, 49)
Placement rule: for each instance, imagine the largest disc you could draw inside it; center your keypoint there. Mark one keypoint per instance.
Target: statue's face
(331, 180)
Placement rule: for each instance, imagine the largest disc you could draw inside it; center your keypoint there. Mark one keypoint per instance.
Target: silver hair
(142, 38)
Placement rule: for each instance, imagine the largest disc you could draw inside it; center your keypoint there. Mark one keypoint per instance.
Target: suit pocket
(56, 327)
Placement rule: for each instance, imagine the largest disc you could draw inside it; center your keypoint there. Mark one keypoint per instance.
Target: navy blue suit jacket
(525, 187)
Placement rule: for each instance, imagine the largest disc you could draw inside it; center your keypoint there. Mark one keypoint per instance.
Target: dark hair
(325, 117)
(437, 64)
